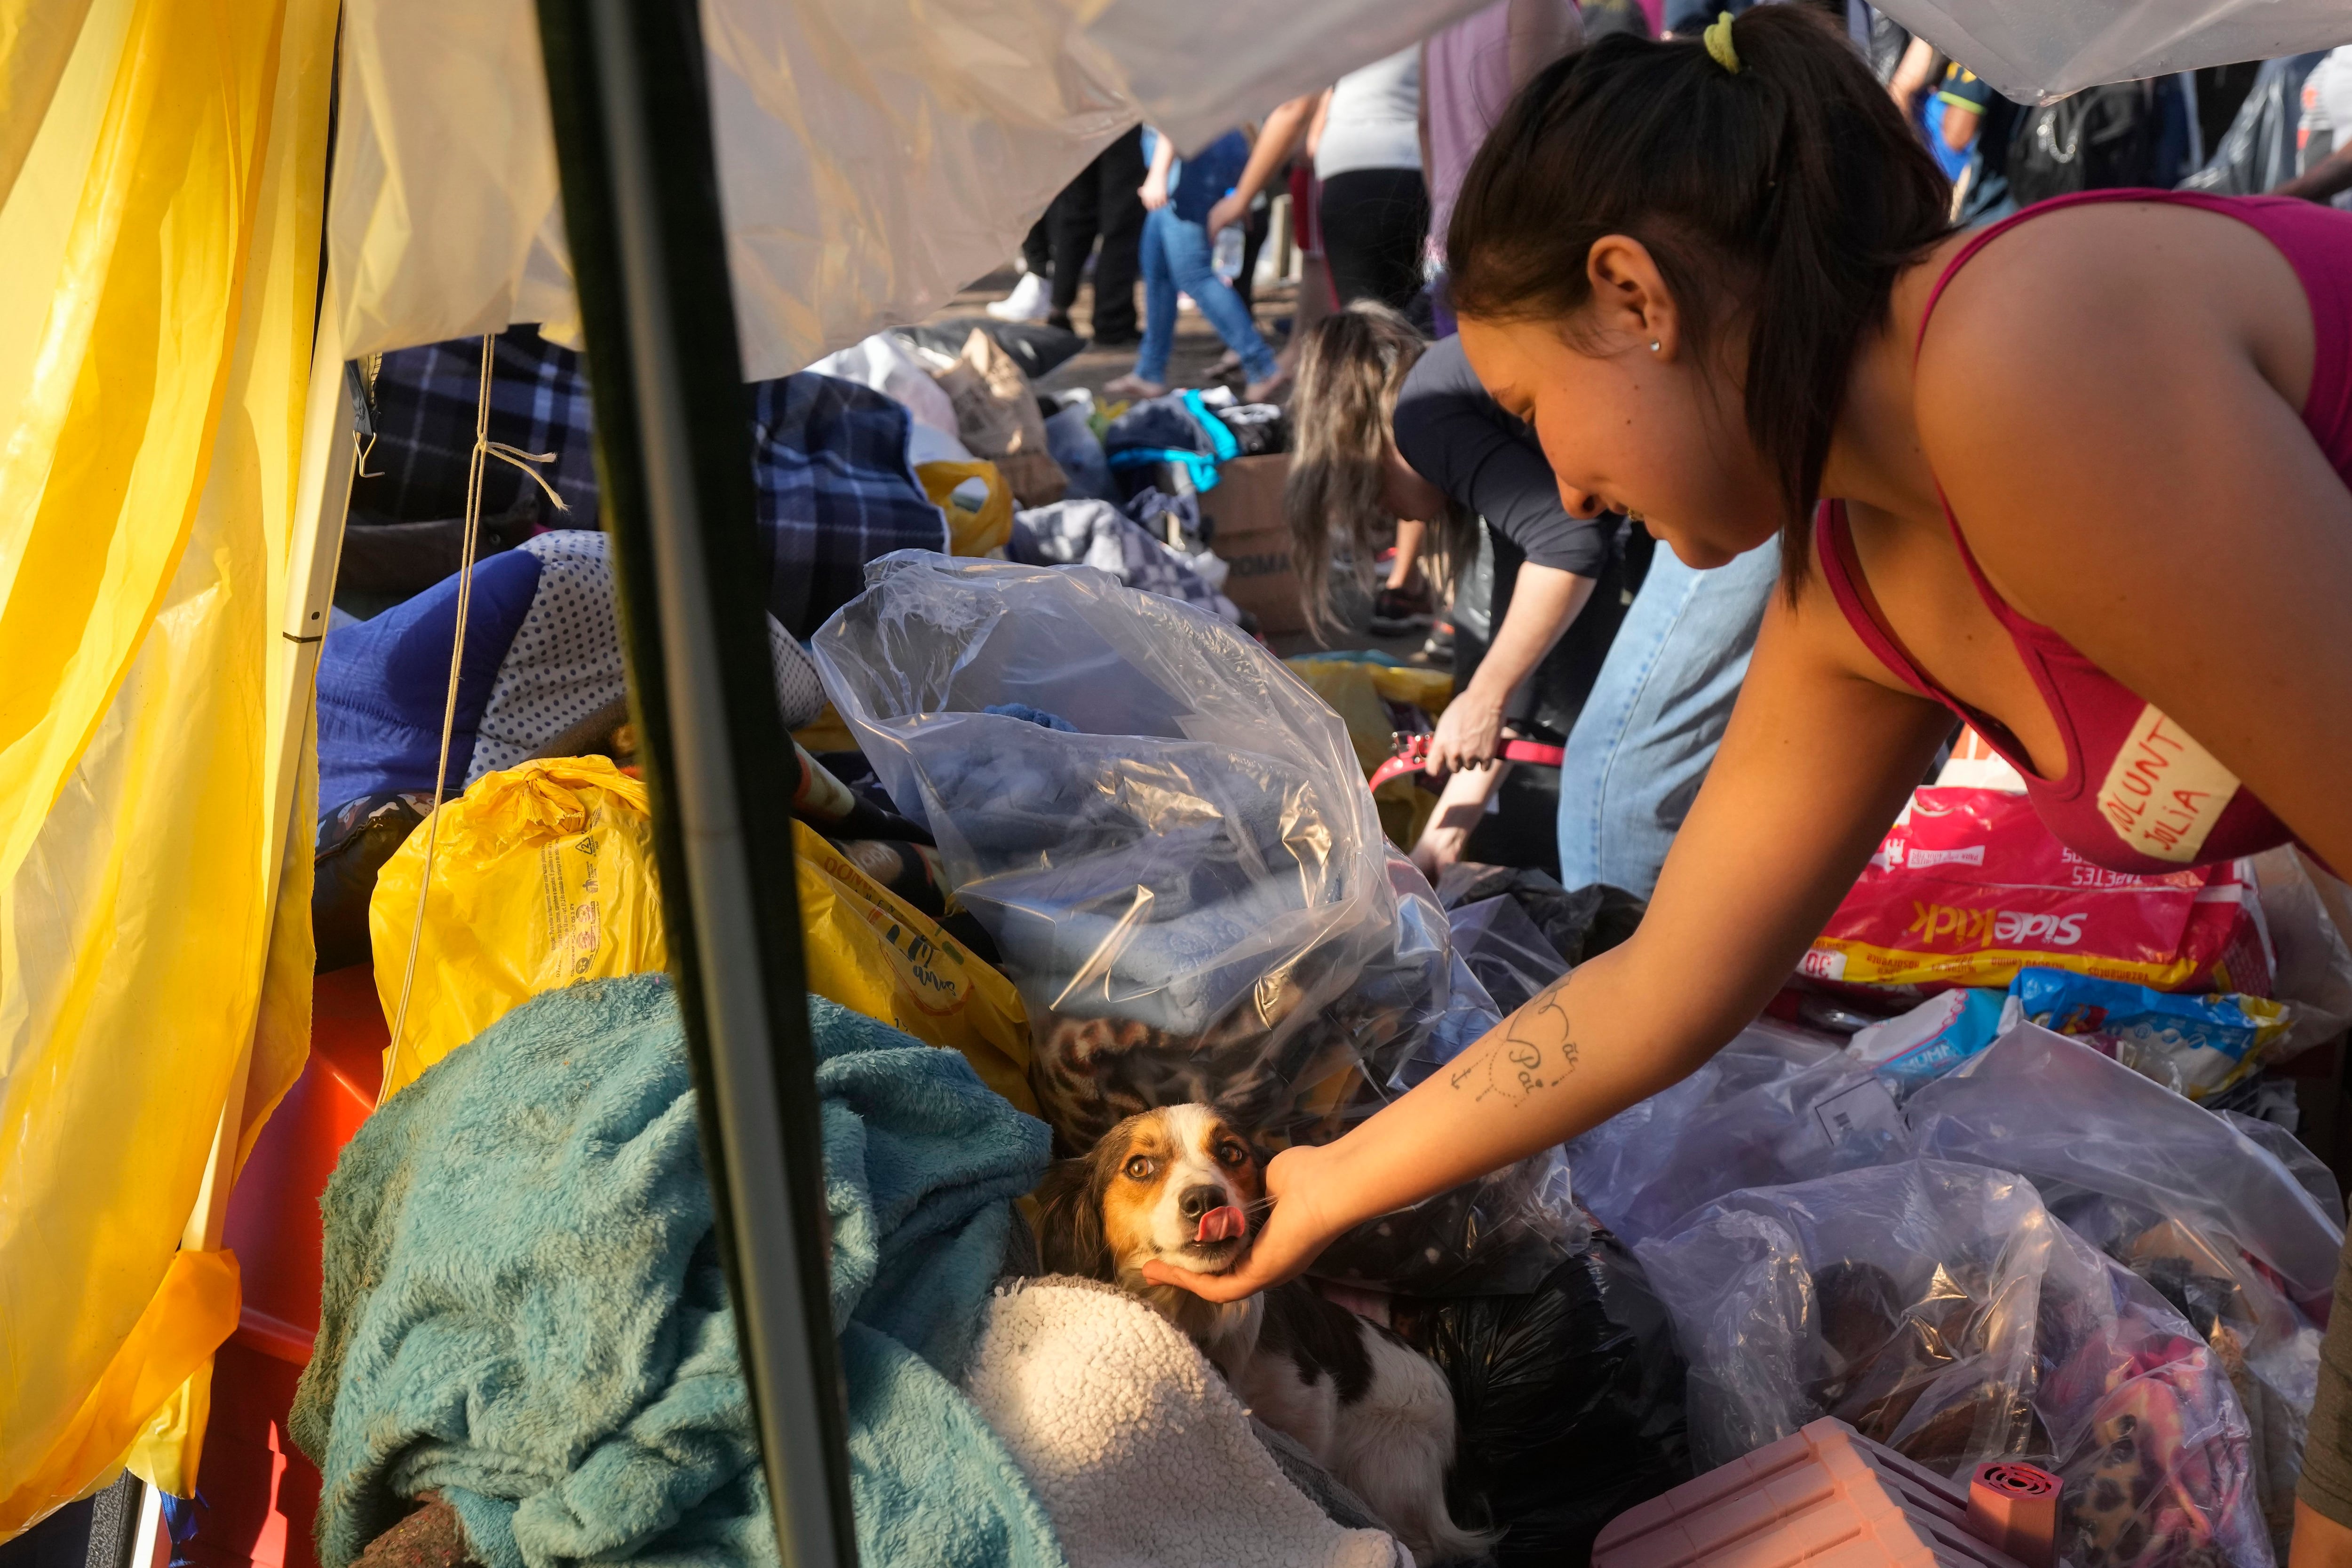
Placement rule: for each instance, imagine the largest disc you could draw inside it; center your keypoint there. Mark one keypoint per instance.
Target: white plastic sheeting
(2037, 51)
(873, 155)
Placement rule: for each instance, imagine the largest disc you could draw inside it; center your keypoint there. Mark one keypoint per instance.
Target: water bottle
(1227, 257)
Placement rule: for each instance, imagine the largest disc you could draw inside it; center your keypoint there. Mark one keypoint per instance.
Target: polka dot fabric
(565, 665)
(800, 694)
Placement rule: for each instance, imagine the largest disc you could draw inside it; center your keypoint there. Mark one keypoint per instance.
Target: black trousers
(1255, 229)
(1375, 222)
(1102, 200)
(1037, 246)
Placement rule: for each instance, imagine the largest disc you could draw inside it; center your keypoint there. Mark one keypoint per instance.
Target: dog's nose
(1197, 1201)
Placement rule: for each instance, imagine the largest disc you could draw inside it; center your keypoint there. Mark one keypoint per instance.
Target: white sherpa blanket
(1141, 1455)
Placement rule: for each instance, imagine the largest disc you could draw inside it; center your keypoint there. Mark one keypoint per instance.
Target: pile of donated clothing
(1114, 486)
(1069, 850)
(510, 1379)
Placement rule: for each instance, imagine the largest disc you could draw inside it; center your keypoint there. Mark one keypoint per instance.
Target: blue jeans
(1176, 256)
(1641, 745)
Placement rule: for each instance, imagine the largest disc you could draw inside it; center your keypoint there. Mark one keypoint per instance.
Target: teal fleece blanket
(523, 1309)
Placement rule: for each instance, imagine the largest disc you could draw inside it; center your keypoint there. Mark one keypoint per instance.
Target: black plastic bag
(1037, 348)
(1570, 1401)
(1581, 925)
(353, 844)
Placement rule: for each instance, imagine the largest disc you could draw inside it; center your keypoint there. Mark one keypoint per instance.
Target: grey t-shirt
(1459, 439)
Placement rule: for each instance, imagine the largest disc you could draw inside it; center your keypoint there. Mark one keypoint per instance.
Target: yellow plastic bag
(825, 732)
(543, 877)
(970, 530)
(1355, 688)
(874, 954)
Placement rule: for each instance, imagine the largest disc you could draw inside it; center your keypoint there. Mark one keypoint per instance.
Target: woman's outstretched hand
(1304, 1220)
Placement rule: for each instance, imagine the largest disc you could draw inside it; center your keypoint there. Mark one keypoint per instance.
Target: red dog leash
(1412, 756)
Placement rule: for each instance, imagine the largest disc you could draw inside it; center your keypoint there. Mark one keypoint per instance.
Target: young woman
(1348, 486)
(1385, 432)
(2088, 481)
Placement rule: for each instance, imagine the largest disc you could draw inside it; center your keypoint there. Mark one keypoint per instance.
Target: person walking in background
(1375, 211)
(2324, 133)
(1282, 135)
(1469, 73)
(1104, 201)
(1179, 196)
(1032, 296)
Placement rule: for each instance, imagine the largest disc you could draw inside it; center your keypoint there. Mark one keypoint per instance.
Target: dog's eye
(1140, 1168)
(1232, 1153)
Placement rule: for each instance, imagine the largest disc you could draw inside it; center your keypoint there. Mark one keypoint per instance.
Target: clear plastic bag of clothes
(2301, 907)
(1579, 925)
(1168, 838)
(1778, 1104)
(1511, 957)
(2056, 1111)
(1942, 1310)
(2186, 1199)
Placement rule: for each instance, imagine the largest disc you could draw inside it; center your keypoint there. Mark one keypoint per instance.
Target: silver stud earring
(1653, 345)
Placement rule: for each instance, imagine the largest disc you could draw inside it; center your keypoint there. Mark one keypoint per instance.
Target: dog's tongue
(1224, 1224)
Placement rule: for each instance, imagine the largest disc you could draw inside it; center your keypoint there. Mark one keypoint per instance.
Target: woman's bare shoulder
(2088, 300)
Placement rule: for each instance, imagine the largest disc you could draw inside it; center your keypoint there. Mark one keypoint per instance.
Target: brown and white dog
(1178, 1184)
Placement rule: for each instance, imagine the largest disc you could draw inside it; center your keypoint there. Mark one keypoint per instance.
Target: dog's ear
(1070, 1238)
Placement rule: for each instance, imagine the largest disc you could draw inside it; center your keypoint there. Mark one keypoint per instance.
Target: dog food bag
(1941, 1310)
(2210, 1042)
(1969, 888)
(1168, 838)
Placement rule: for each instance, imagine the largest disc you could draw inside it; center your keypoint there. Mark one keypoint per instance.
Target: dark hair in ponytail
(1791, 190)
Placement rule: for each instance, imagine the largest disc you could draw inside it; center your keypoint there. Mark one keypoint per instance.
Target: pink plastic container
(2014, 1505)
(1825, 1497)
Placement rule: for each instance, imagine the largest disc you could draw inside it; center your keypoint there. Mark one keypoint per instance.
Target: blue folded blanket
(524, 1311)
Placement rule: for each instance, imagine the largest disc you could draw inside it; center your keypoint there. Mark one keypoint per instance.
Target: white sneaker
(1031, 300)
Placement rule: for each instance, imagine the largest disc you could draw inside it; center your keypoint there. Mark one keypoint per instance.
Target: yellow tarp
(158, 248)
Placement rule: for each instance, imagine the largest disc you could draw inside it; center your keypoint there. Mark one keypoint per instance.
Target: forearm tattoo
(1523, 1061)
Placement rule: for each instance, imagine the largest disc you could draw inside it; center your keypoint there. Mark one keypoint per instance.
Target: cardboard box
(1252, 536)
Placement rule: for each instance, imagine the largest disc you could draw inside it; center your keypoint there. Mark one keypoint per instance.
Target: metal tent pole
(641, 206)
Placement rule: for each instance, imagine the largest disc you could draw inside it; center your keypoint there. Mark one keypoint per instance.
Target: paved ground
(1197, 345)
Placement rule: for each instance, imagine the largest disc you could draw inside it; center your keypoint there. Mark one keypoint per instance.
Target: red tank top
(2139, 793)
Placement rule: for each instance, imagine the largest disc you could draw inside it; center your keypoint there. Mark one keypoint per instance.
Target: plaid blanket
(423, 406)
(832, 483)
(1097, 534)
